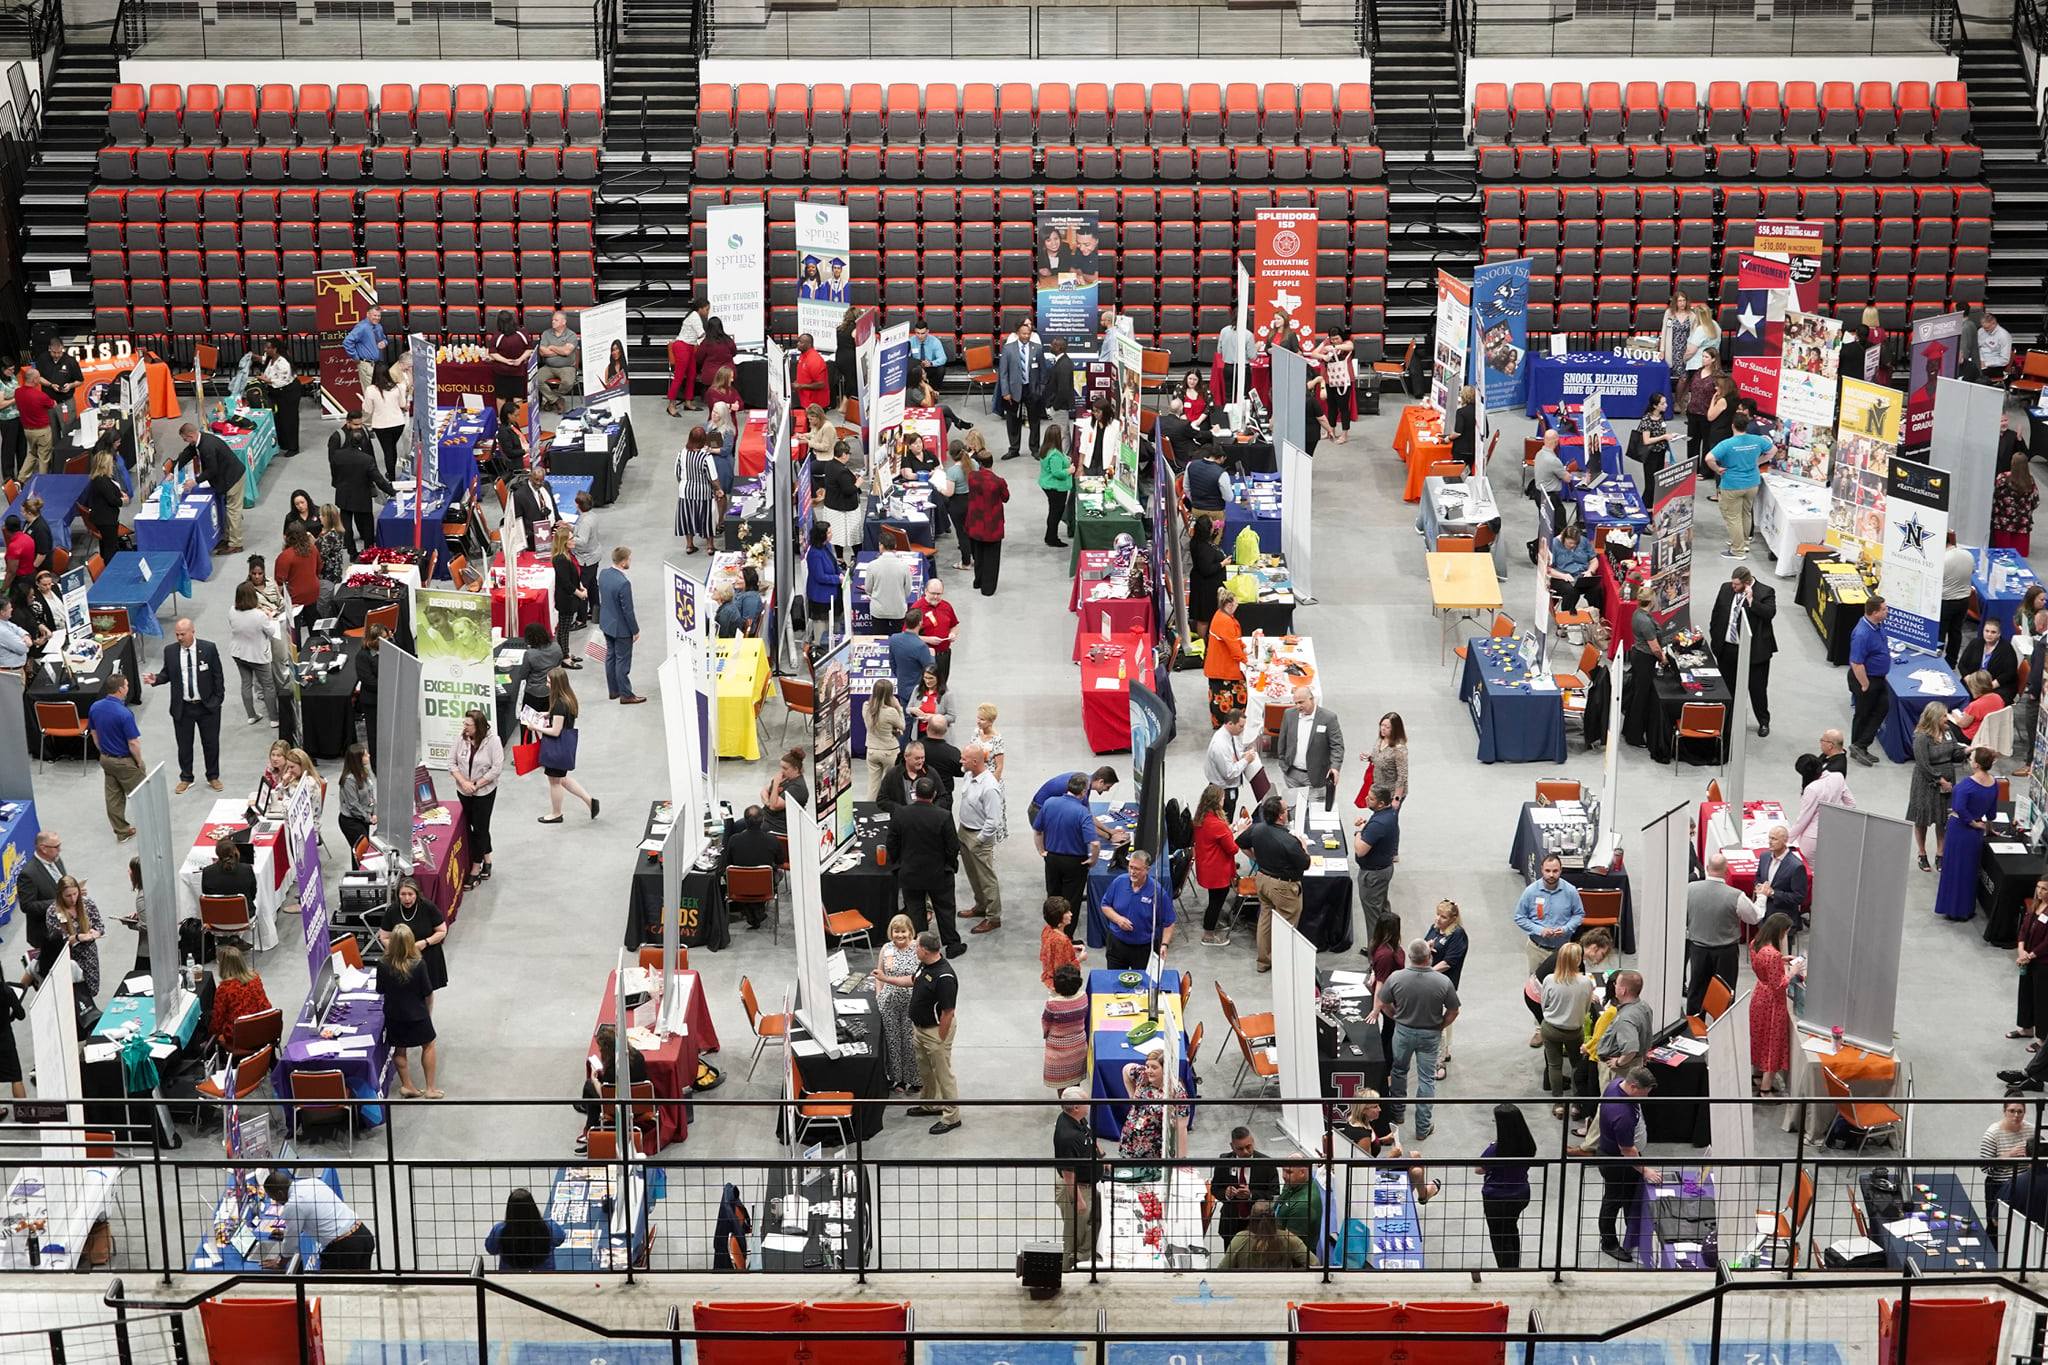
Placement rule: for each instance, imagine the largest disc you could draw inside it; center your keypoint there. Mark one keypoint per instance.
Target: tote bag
(559, 751)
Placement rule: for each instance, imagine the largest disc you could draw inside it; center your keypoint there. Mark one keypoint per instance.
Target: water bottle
(166, 501)
(190, 978)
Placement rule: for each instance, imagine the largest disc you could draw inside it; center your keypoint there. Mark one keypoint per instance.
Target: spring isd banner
(824, 253)
(1671, 541)
(1915, 537)
(1807, 367)
(1284, 271)
(734, 259)
(832, 745)
(453, 632)
(1453, 334)
(1936, 342)
(602, 335)
(1866, 440)
(340, 298)
(1069, 268)
(1500, 332)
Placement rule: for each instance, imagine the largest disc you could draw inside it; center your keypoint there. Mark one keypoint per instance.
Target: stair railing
(2030, 36)
(1945, 25)
(604, 22)
(131, 27)
(1369, 13)
(704, 20)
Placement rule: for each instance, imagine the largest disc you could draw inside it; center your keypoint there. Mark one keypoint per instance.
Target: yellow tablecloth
(742, 683)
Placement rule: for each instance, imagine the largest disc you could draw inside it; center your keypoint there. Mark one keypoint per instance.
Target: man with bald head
(1781, 877)
(978, 804)
(1714, 915)
(192, 668)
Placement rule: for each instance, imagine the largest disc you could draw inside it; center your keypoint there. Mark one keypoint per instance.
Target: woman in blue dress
(1969, 818)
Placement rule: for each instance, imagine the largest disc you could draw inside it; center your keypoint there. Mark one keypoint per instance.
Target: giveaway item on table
(1275, 668)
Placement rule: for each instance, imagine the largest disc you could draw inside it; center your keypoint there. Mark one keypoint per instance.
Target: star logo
(1286, 242)
(1913, 535)
(1748, 319)
(1285, 301)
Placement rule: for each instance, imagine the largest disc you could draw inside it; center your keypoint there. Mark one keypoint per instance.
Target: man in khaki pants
(120, 743)
(978, 801)
(1739, 461)
(1282, 858)
(1077, 1166)
(934, 992)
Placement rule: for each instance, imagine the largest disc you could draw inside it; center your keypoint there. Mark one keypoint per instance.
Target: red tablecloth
(1759, 816)
(752, 451)
(672, 1067)
(535, 601)
(1416, 417)
(1616, 606)
(1127, 615)
(929, 423)
(1106, 698)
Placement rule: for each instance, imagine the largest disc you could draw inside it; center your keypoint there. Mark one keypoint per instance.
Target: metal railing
(159, 29)
(970, 1215)
(1707, 28)
(1035, 31)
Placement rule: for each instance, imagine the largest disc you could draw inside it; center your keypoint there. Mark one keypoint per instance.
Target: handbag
(1364, 786)
(558, 751)
(525, 757)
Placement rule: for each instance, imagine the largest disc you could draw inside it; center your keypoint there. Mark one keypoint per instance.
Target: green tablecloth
(1093, 524)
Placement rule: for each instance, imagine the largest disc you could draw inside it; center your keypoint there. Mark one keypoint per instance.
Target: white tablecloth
(68, 1199)
(1122, 1245)
(228, 811)
(1790, 513)
(1279, 689)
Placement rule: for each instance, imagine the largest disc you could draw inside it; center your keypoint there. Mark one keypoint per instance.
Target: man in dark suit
(1311, 746)
(1020, 385)
(1782, 875)
(1760, 600)
(942, 757)
(222, 471)
(38, 885)
(192, 668)
(924, 848)
(1244, 1175)
(354, 471)
(751, 843)
(1183, 437)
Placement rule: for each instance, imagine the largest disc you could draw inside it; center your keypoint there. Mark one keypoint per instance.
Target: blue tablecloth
(2015, 576)
(1940, 1199)
(257, 448)
(61, 495)
(456, 459)
(563, 1205)
(394, 525)
(1623, 504)
(1110, 1050)
(1624, 385)
(1124, 815)
(1910, 698)
(565, 488)
(918, 528)
(18, 829)
(1525, 857)
(1265, 520)
(1515, 724)
(259, 1213)
(863, 620)
(190, 534)
(142, 1009)
(122, 584)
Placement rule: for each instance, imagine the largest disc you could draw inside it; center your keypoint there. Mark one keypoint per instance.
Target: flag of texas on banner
(1763, 287)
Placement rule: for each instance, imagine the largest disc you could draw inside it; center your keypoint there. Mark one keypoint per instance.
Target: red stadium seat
(1681, 110)
(585, 113)
(507, 122)
(238, 114)
(1205, 113)
(1837, 110)
(125, 115)
(1915, 110)
(1724, 110)
(275, 108)
(472, 116)
(1490, 111)
(1802, 111)
(314, 119)
(714, 112)
(1951, 111)
(1091, 112)
(1642, 111)
(1604, 118)
(1529, 106)
(1567, 111)
(434, 116)
(1354, 112)
(1280, 112)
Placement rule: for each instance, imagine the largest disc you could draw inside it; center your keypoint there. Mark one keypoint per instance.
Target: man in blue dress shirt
(1870, 659)
(1137, 907)
(364, 344)
(1549, 911)
(1069, 842)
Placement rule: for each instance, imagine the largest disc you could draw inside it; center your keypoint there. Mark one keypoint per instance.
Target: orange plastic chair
(847, 925)
(1446, 469)
(60, 720)
(748, 1317)
(96, 566)
(1454, 545)
(1313, 1318)
(1866, 1117)
(1503, 626)
(385, 616)
(752, 886)
(260, 1331)
(650, 957)
(225, 916)
(1701, 720)
(798, 699)
(857, 1317)
(1713, 1004)
(1603, 909)
(317, 1098)
(768, 1028)
(248, 1076)
(1556, 789)
(1942, 1331)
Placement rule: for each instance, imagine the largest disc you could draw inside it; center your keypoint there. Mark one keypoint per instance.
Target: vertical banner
(832, 746)
(1295, 1027)
(53, 1023)
(149, 809)
(1283, 272)
(1933, 350)
(1297, 489)
(687, 696)
(312, 897)
(426, 404)
(1866, 438)
(453, 632)
(1130, 402)
(892, 374)
(398, 740)
(807, 913)
(1915, 536)
(601, 328)
(1671, 542)
(1244, 344)
(135, 399)
(1069, 271)
(1967, 422)
(733, 264)
(824, 249)
(1453, 334)
(1289, 377)
(1500, 332)
(340, 298)
(1807, 368)
(1859, 917)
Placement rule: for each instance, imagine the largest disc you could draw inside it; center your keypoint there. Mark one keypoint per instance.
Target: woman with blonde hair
(1567, 992)
(895, 973)
(408, 1019)
(238, 992)
(986, 736)
(1935, 755)
(883, 715)
(74, 919)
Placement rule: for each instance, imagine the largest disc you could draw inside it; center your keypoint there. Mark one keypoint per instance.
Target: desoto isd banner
(824, 253)
(1453, 335)
(453, 631)
(1500, 332)
(1283, 272)
(1915, 537)
(340, 298)
(1936, 342)
(734, 261)
(1866, 439)
(1070, 265)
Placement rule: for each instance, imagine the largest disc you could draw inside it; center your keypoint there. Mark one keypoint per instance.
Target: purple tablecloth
(364, 1070)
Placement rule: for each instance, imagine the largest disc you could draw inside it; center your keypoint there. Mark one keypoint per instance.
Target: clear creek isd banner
(824, 251)
(734, 261)
(453, 632)
(1866, 439)
(1069, 271)
(426, 401)
(1934, 348)
(1500, 332)
(1915, 537)
(1453, 333)
(1284, 271)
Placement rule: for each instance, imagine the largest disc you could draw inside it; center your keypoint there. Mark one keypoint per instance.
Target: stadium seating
(1761, 112)
(317, 133)
(963, 257)
(186, 261)
(1730, 161)
(1607, 258)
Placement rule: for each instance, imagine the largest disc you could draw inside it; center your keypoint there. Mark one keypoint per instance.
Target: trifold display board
(807, 910)
(1297, 489)
(1657, 867)
(149, 806)
(1294, 1036)
(1859, 912)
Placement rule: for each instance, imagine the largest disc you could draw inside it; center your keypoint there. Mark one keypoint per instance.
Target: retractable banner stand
(1608, 840)
(892, 374)
(601, 331)
(426, 406)
(1732, 1128)
(1500, 333)
(1658, 869)
(398, 747)
(1915, 536)
(452, 630)
(687, 694)
(782, 488)
(1859, 915)
(1807, 369)
(824, 251)
(1936, 344)
(1283, 272)
(1297, 489)
(1965, 440)
(1671, 512)
(53, 1022)
(149, 807)
(1244, 345)
(1290, 401)
(832, 744)
(1779, 275)
(1070, 269)
(735, 260)
(807, 912)
(17, 773)
(311, 888)
(1294, 1036)
(340, 298)
(1130, 403)
(1866, 439)
(1453, 334)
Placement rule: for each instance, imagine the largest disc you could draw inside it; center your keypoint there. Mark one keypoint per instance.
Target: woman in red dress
(1770, 1008)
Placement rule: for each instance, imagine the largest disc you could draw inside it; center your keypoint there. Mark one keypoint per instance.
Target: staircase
(643, 204)
(2003, 122)
(53, 199)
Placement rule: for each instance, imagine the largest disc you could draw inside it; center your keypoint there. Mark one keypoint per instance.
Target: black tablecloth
(1525, 856)
(1350, 1047)
(82, 690)
(109, 1103)
(605, 469)
(1834, 620)
(1326, 896)
(869, 888)
(328, 704)
(2004, 881)
(1671, 700)
(1680, 1121)
(1275, 618)
(352, 607)
(819, 1189)
(704, 921)
(864, 1075)
(1246, 457)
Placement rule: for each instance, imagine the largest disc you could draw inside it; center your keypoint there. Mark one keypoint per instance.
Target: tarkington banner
(824, 252)
(457, 672)
(1866, 439)
(1453, 334)
(1915, 537)
(1070, 267)
(340, 299)
(1283, 272)
(1500, 332)
(734, 259)
(1936, 341)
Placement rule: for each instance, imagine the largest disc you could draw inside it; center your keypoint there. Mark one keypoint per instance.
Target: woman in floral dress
(1770, 1008)
(74, 921)
(895, 973)
(1145, 1118)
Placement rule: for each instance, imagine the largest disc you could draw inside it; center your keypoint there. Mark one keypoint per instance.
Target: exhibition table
(749, 514)
(163, 385)
(63, 498)
(455, 452)
(263, 851)
(1624, 385)
(327, 698)
(1675, 689)
(1790, 513)
(671, 1061)
(1928, 1223)
(750, 452)
(535, 576)
(1096, 517)
(1460, 585)
(69, 1201)
(1680, 1077)
(2001, 579)
(1256, 503)
(1746, 844)
(1122, 817)
(1615, 502)
(861, 1069)
(80, 688)
(360, 1053)
(1525, 856)
(1274, 668)
(1869, 1075)
(741, 665)
(242, 1205)
(1115, 1006)
(1326, 886)
(864, 622)
(1134, 1207)
(1103, 610)
(118, 1097)
(1518, 711)
(1272, 611)
(190, 532)
(577, 1202)
(1617, 605)
(909, 508)
(395, 524)
(1645, 1240)
(1916, 679)
(866, 886)
(255, 448)
(866, 664)
(1428, 448)
(353, 603)
(1571, 441)
(1107, 668)
(1456, 507)
(440, 857)
(828, 1225)
(701, 920)
(2006, 874)
(139, 581)
(1833, 593)
(1352, 1052)
(603, 464)
(1417, 419)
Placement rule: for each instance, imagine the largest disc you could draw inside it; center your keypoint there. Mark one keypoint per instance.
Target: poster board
(1130, 402)
(1658, 864)
(1500, 333)
(1809, 366)
(1069, 268)
(452, 630)
(1915, 536)
(1670, 547)
(53, 1022)
(824, 253)
(1294, 1036)
(1297, 491)
(807, 915)
(398, 742)
(1932, 353)
(601, 331)
(149, 809)
(1866, 438)
(340, 299)
(1859, 910)
(1967, 417)
(734, 262)
(1448, 364)
(311, 889)
(892, 375)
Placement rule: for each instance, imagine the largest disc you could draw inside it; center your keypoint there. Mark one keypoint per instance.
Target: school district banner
(824, 251)
(1915, 537)
(733, 264)
(1069, 271)
(1284, 272)
(1936, 342)
(1500, 332)
(453, 631)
